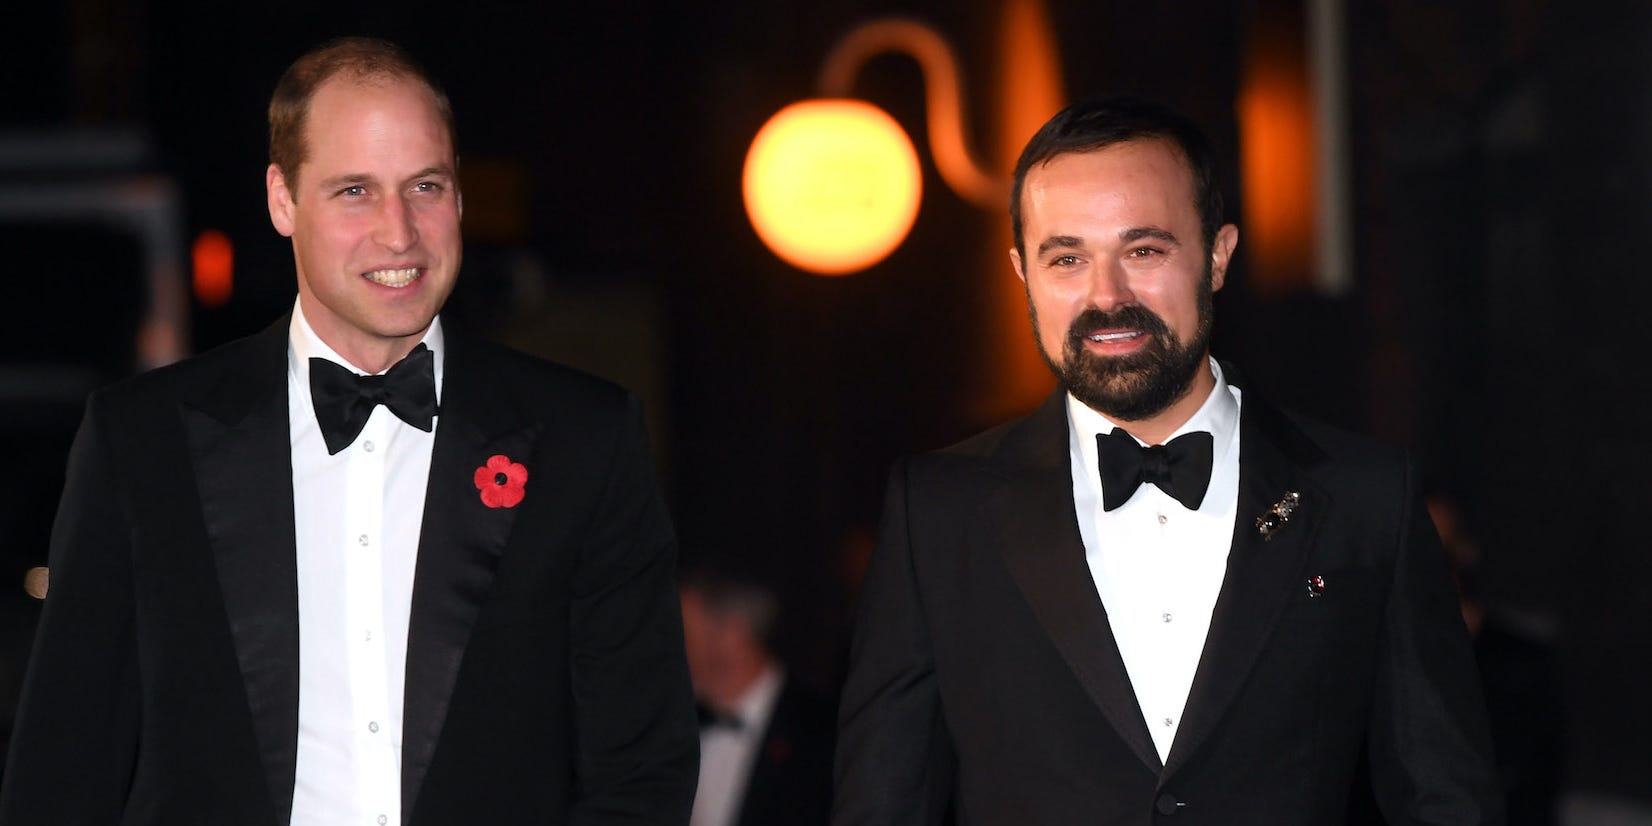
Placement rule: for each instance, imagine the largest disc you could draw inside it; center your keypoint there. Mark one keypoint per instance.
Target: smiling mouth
(394, 278)
(1108, 338)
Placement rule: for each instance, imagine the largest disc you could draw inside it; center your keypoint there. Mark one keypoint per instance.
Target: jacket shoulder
(539, 382)
(1033, 444)
(985, 443)
(1333, 444)
(232, 361)
(1354, 467)
(1038, 440)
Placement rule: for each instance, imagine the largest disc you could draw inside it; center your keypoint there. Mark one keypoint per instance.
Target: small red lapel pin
(501, 482)
(1316, 586)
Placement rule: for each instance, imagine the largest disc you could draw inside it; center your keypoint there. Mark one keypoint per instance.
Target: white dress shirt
(727, 754)
(357, 515)
(1157, 565)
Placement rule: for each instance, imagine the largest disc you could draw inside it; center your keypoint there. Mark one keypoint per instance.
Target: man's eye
(353, 191)
(427, 186)
(1144, 252)
(1064, 261)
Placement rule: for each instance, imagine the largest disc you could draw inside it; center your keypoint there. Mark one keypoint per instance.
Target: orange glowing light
(832, 186)
(214, 268)
(1028, 90)
(1277, 159)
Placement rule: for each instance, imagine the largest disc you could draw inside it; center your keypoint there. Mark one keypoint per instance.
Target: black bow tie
(1180, 468)
(711, 718)
(344, 400)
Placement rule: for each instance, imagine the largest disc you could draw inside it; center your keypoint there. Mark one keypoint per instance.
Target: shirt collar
(758, 701)
(303, 344)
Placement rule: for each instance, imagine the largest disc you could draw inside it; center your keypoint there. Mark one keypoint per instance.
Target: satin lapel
(1037, 531)
(460, 543)
(1262, 574)
(240, 446)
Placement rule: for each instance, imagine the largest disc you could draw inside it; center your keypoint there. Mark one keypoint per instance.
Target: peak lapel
(1037, 531)
(460, 543)
(239, 444)
(1263, 574)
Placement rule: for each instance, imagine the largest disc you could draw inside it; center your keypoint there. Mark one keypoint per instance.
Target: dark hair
(361, 58)
(729, 592)
(1102, 122)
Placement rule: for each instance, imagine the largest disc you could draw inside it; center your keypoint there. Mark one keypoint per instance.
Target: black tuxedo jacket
(545, 676)
(791, 775)
(984, 677)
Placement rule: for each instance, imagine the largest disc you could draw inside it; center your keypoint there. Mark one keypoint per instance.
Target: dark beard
(1143, 384)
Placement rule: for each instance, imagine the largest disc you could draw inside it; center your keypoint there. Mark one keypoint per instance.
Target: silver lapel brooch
(1276, 517)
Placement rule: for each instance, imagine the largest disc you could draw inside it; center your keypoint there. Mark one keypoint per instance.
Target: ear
(1221, 254)
(280, 200)
(1015, 261)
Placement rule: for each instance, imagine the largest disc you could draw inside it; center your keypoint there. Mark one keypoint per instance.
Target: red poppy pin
(501, 481)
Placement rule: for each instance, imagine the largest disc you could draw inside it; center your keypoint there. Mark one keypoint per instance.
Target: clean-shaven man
(359, 569)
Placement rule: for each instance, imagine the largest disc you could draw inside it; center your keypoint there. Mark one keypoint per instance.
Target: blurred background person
(765, 740)
(1515, 652)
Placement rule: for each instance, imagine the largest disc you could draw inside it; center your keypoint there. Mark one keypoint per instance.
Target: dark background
(1501, 158)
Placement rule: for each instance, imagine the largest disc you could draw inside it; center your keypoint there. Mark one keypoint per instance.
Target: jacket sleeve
(637, 758)
(75, 738)
(1429, 740)
(895, 762)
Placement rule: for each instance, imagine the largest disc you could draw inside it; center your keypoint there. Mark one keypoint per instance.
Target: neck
(378, 356)
(370, 353)
(732, 688)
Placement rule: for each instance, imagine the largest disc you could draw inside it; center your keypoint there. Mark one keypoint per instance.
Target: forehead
(355, 119)
(1148, 180)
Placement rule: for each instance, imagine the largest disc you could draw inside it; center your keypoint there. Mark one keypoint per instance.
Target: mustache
(1133, 316)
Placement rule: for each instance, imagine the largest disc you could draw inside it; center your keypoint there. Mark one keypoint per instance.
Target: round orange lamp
(832, 186)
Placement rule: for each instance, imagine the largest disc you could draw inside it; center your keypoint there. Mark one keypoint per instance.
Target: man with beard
(1157, 598)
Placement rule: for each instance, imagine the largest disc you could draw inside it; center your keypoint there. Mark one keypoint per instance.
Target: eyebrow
(432, 171)
(1128, 236)
(340, 181)
(1134, 234)
(1056, 242)
(357, 178)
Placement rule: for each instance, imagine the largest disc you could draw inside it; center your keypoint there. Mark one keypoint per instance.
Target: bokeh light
(214, 259)
(832, 186)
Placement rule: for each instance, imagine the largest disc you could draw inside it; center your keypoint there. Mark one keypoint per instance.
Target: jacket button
(1167, 804)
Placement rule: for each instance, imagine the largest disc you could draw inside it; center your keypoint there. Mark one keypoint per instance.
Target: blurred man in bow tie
(359, 569)
(765, 739)
(1157, 599)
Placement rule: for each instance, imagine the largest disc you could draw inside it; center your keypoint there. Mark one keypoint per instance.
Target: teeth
(1100, 337)
(394, 278)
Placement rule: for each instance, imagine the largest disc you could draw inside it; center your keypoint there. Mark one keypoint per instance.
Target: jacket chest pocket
(1341, 607)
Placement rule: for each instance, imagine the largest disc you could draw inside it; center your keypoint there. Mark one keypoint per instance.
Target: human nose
(1110, 288)
(396, 229)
